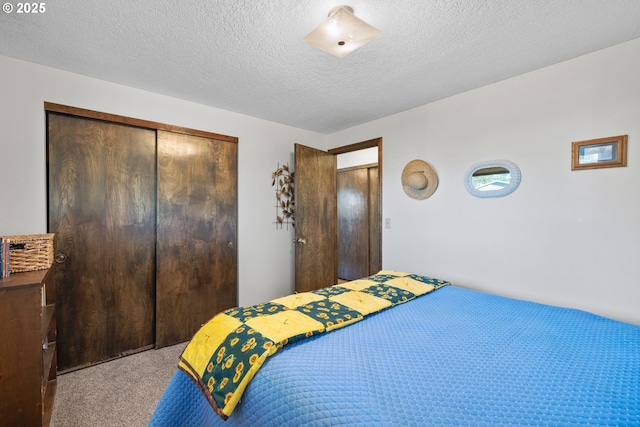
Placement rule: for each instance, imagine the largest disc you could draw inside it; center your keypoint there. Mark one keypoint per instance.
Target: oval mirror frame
(514, 172)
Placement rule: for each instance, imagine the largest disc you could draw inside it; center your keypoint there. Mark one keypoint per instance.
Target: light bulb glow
(333, 28)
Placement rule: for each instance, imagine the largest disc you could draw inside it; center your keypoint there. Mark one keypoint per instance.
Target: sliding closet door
(353, 223)
(196, 244)
(102, 198)
(375, 222)
(358, 222)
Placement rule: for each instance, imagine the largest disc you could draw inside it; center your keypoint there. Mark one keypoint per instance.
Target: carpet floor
(120, 393)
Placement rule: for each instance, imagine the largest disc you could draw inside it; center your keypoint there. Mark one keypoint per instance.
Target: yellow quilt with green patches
(225, 354)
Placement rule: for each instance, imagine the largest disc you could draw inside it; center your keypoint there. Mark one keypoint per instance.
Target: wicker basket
(30, 252)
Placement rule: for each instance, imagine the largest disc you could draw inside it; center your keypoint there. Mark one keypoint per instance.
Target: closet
(358, 222)
(145, 217)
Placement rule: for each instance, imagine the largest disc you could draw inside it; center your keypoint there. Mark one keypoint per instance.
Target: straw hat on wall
(419, 180)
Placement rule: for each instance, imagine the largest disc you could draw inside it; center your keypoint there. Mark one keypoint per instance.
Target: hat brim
(432, 179)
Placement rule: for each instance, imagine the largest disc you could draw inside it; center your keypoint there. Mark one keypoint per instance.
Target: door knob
(60, 258)
(300, 240)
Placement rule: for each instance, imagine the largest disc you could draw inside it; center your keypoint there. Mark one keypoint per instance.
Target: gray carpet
(120, 393)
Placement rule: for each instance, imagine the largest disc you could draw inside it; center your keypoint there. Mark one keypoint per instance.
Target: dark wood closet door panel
(196, 248)
(353, 224)
(375, 222)
(130, 228)
(102, 209)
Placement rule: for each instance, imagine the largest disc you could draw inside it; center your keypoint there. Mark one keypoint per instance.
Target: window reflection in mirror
(488, 179)
(496, 178)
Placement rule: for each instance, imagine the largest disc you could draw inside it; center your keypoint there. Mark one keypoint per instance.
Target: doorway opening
(359, 209)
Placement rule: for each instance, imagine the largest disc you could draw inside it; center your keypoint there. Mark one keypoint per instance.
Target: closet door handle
(230, 245)
(300, 240)
(60, 258)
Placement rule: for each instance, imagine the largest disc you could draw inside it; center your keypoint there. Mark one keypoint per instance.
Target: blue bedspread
(456, 357)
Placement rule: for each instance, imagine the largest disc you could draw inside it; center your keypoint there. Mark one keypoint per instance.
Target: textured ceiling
(248, 56)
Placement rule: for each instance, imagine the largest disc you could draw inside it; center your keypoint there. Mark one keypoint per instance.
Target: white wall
(565, 238)
(265, 254)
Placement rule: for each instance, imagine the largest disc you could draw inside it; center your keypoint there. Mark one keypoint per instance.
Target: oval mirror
(496, 178)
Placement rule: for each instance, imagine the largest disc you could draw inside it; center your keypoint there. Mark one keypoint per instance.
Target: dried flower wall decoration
(283, 180)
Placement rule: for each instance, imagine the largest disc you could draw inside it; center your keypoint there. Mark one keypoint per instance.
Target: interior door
(102, 197)
(197, 232)
(316, 264)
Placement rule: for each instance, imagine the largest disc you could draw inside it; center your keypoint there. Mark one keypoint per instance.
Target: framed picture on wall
(607, 152)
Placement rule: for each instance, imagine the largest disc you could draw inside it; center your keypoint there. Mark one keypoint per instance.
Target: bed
(452, 356)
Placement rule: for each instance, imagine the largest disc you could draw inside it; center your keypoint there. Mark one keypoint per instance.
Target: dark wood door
(102, 198)
(196, 248)
(353, 223)
(358, 222)
(375, 221)
(316, 263)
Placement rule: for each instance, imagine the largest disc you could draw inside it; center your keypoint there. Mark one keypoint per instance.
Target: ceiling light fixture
(342, 32)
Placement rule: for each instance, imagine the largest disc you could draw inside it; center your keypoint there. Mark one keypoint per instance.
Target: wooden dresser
(28, 350)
